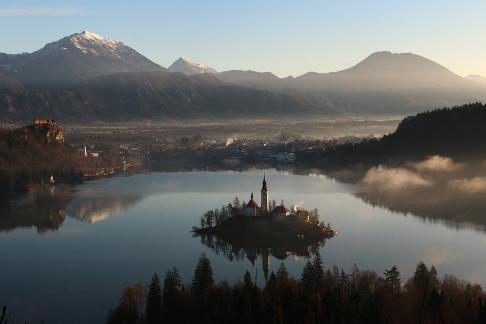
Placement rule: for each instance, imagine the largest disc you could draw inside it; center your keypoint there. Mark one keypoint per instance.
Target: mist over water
(68, 253)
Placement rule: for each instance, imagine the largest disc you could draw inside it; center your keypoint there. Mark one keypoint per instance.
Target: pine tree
(433, 277)
(172, 285)
(307, 280)
(236, 203)
(421, 276)
(154, 298)
(203, 276)
(393, 280)
(318, 269)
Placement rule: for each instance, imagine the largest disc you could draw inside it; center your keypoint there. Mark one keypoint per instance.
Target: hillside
(85, 76)
(132, 96)
(455, 132)
(382, 83)
(30, 155)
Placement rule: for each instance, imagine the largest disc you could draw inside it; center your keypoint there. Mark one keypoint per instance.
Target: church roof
(281, 209)
(252, 204)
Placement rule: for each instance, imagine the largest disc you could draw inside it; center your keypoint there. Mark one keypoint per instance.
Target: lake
(67, 253)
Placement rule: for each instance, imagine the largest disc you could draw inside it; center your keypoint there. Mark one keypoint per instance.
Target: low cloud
(45, 11)
(438, 163)
(474, 185)
(393, 179)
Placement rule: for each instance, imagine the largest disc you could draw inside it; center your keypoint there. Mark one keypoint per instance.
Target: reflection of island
(47, 209)
(247, 229)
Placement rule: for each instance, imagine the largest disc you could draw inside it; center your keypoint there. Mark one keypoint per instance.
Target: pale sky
(286, 37)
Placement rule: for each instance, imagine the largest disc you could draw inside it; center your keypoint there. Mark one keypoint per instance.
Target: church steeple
(265, 204)
(264, 184)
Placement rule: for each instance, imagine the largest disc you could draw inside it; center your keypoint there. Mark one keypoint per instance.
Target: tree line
(456, 132)
(318, 296)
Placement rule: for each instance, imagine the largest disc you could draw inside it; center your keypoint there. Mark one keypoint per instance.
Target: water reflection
(95, 208)
(437, 189)
(239, 248)
(46, 210)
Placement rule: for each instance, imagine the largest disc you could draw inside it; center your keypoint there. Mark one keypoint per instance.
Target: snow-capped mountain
(186, 66)
(75, 57)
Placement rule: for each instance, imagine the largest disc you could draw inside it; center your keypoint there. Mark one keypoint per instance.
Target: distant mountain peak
(89, 35)
(188, 67)
(387, 65)
(82, 55)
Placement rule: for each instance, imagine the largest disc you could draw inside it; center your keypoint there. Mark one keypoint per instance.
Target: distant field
(152, 132)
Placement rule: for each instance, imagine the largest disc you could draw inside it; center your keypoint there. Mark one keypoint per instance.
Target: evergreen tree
(433, 277)
(307, 280)
(392, 278)
(421, 276)
(154, 298)
(318, 269)
(203, 276)
(172, 285)
(236, 203)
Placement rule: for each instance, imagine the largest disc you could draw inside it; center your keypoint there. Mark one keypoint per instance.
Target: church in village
(265, 208)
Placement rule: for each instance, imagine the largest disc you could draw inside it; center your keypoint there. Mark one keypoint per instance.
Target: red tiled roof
(252, 204)
(281, 209)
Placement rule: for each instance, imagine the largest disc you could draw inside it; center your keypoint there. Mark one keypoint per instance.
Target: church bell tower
(265, 203)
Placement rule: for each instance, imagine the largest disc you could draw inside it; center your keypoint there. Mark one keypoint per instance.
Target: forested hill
(458, 131)
(30, 155)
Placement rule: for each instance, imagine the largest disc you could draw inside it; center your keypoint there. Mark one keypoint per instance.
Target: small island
(248, 224)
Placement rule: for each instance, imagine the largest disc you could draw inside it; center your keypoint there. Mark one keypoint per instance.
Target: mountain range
(85, 76)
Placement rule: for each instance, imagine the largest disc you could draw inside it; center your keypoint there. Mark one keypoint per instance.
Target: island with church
(268, 225)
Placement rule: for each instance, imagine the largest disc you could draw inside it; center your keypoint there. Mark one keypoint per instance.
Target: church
(252, 208)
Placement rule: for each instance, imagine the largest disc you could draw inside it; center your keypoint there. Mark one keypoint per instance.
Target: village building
(280, 213)
(251, 208)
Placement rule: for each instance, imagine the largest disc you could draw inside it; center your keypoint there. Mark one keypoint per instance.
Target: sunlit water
(119, 231)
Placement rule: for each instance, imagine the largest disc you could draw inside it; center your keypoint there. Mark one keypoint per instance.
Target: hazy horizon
(281, 37)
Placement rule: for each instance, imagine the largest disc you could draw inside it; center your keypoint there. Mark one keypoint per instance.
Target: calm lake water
(67, 254)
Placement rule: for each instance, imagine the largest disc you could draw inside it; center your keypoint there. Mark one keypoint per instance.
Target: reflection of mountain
(93, 209)
(47, 209)
(436, 204)
(44, 209)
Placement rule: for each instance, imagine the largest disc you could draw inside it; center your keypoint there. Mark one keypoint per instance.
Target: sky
(286, 37)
